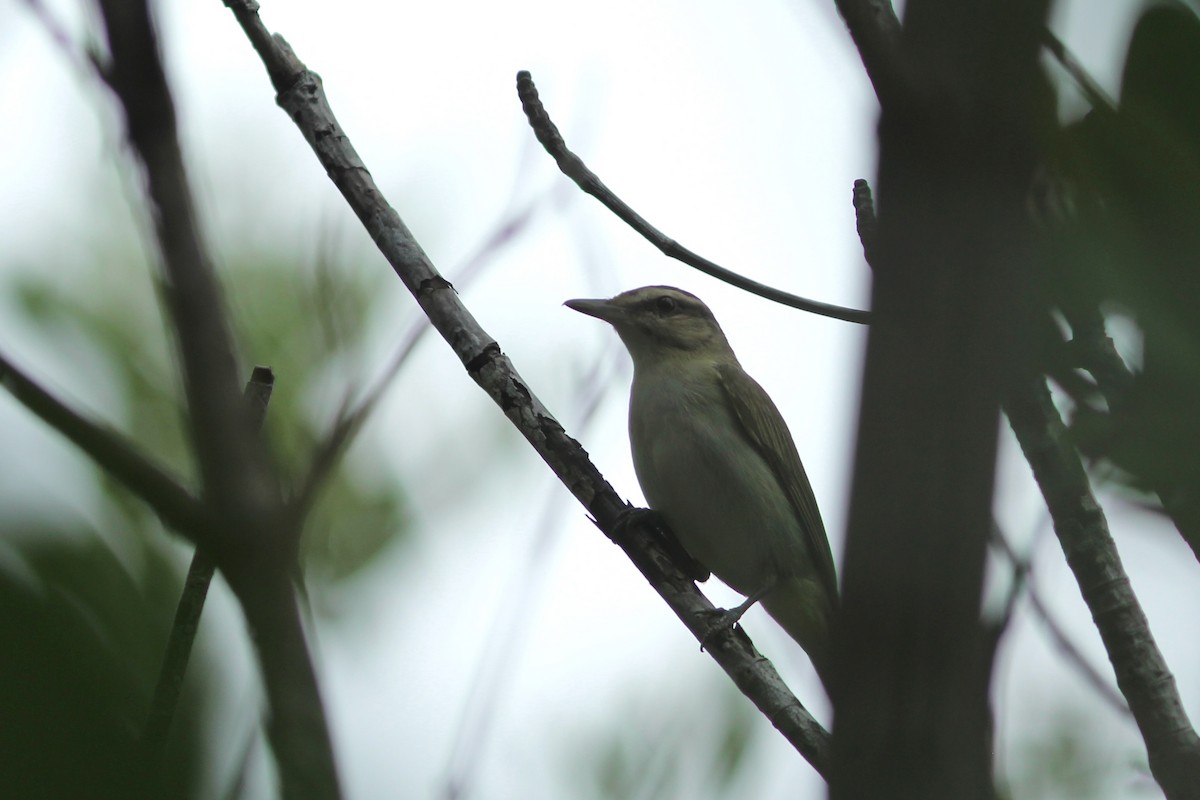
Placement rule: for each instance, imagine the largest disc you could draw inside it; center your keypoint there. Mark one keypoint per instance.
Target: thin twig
(112, 452)
(573, 167)
(300, 94)
(191, 605)
(1096, 97)
(1021, 579)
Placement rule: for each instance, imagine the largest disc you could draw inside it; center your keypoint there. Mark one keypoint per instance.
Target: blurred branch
(250, 542)
(1142, 674)
(957, 91)
(573, 167)
(191, 604)
(232, 461)
(1091, 90)
(300, 94)
(1021, 572)
(112, 452)
(877, 34)
(1096, 353)
(80, 59)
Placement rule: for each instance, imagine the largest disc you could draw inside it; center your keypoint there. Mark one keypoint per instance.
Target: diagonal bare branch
(300, 94)
(1021, 580)
(1142, 673)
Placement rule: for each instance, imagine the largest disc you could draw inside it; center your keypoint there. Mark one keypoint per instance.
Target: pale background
(737, 129)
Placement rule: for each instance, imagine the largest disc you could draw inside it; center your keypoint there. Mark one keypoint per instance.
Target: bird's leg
(726, 618)
(692, 568)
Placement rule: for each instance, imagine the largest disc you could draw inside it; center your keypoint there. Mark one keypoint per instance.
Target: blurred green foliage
(82, 640)
(83, 631)
(302, 320)
(1133, 247)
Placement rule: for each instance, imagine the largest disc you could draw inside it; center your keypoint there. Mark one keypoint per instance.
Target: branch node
(482, 358)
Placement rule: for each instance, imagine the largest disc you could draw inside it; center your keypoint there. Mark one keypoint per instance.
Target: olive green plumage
(715, 458)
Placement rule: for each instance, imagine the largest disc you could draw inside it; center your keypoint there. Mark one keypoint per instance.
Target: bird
(716, 461)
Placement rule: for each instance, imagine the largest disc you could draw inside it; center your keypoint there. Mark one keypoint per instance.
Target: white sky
(738, 129)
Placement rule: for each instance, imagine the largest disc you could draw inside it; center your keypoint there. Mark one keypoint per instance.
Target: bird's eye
(666, 305)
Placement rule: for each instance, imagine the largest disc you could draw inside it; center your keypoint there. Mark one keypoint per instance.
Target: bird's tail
(804, 610)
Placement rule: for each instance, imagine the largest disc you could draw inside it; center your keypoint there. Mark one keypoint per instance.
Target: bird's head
(659, 323)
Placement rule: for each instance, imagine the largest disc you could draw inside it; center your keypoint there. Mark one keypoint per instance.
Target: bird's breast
(697, 468)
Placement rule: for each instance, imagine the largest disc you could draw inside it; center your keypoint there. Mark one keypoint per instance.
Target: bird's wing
(765, 427)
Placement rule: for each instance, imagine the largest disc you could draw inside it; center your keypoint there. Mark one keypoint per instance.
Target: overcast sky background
(737, 129)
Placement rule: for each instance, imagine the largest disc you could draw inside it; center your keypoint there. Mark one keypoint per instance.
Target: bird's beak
(606, 310)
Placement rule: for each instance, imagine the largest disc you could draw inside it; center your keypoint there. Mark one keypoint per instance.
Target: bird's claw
(692, 568)
(722, 620)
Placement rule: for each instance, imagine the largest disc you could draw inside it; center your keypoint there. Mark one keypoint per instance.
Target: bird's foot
(691, 568)
(721, 621)
(636, 516)
(724, 619)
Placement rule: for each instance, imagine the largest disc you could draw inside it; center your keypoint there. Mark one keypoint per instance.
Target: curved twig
(573, 167)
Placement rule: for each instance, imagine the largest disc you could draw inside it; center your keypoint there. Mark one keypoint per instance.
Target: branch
(1021, 570)
(252, 544)
(876, 33)
(191, 604)
(1142, 674)
(1096, 353)
(1091, 553)
(1091, 90)
(865, 220)
(573, 167)
(947, 321)
(300, 94)
(232, 461)
(113, 453)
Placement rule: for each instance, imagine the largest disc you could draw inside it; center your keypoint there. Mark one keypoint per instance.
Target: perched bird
(715, 459)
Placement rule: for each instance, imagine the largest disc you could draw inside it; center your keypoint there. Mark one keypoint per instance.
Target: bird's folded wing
(768, 431)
